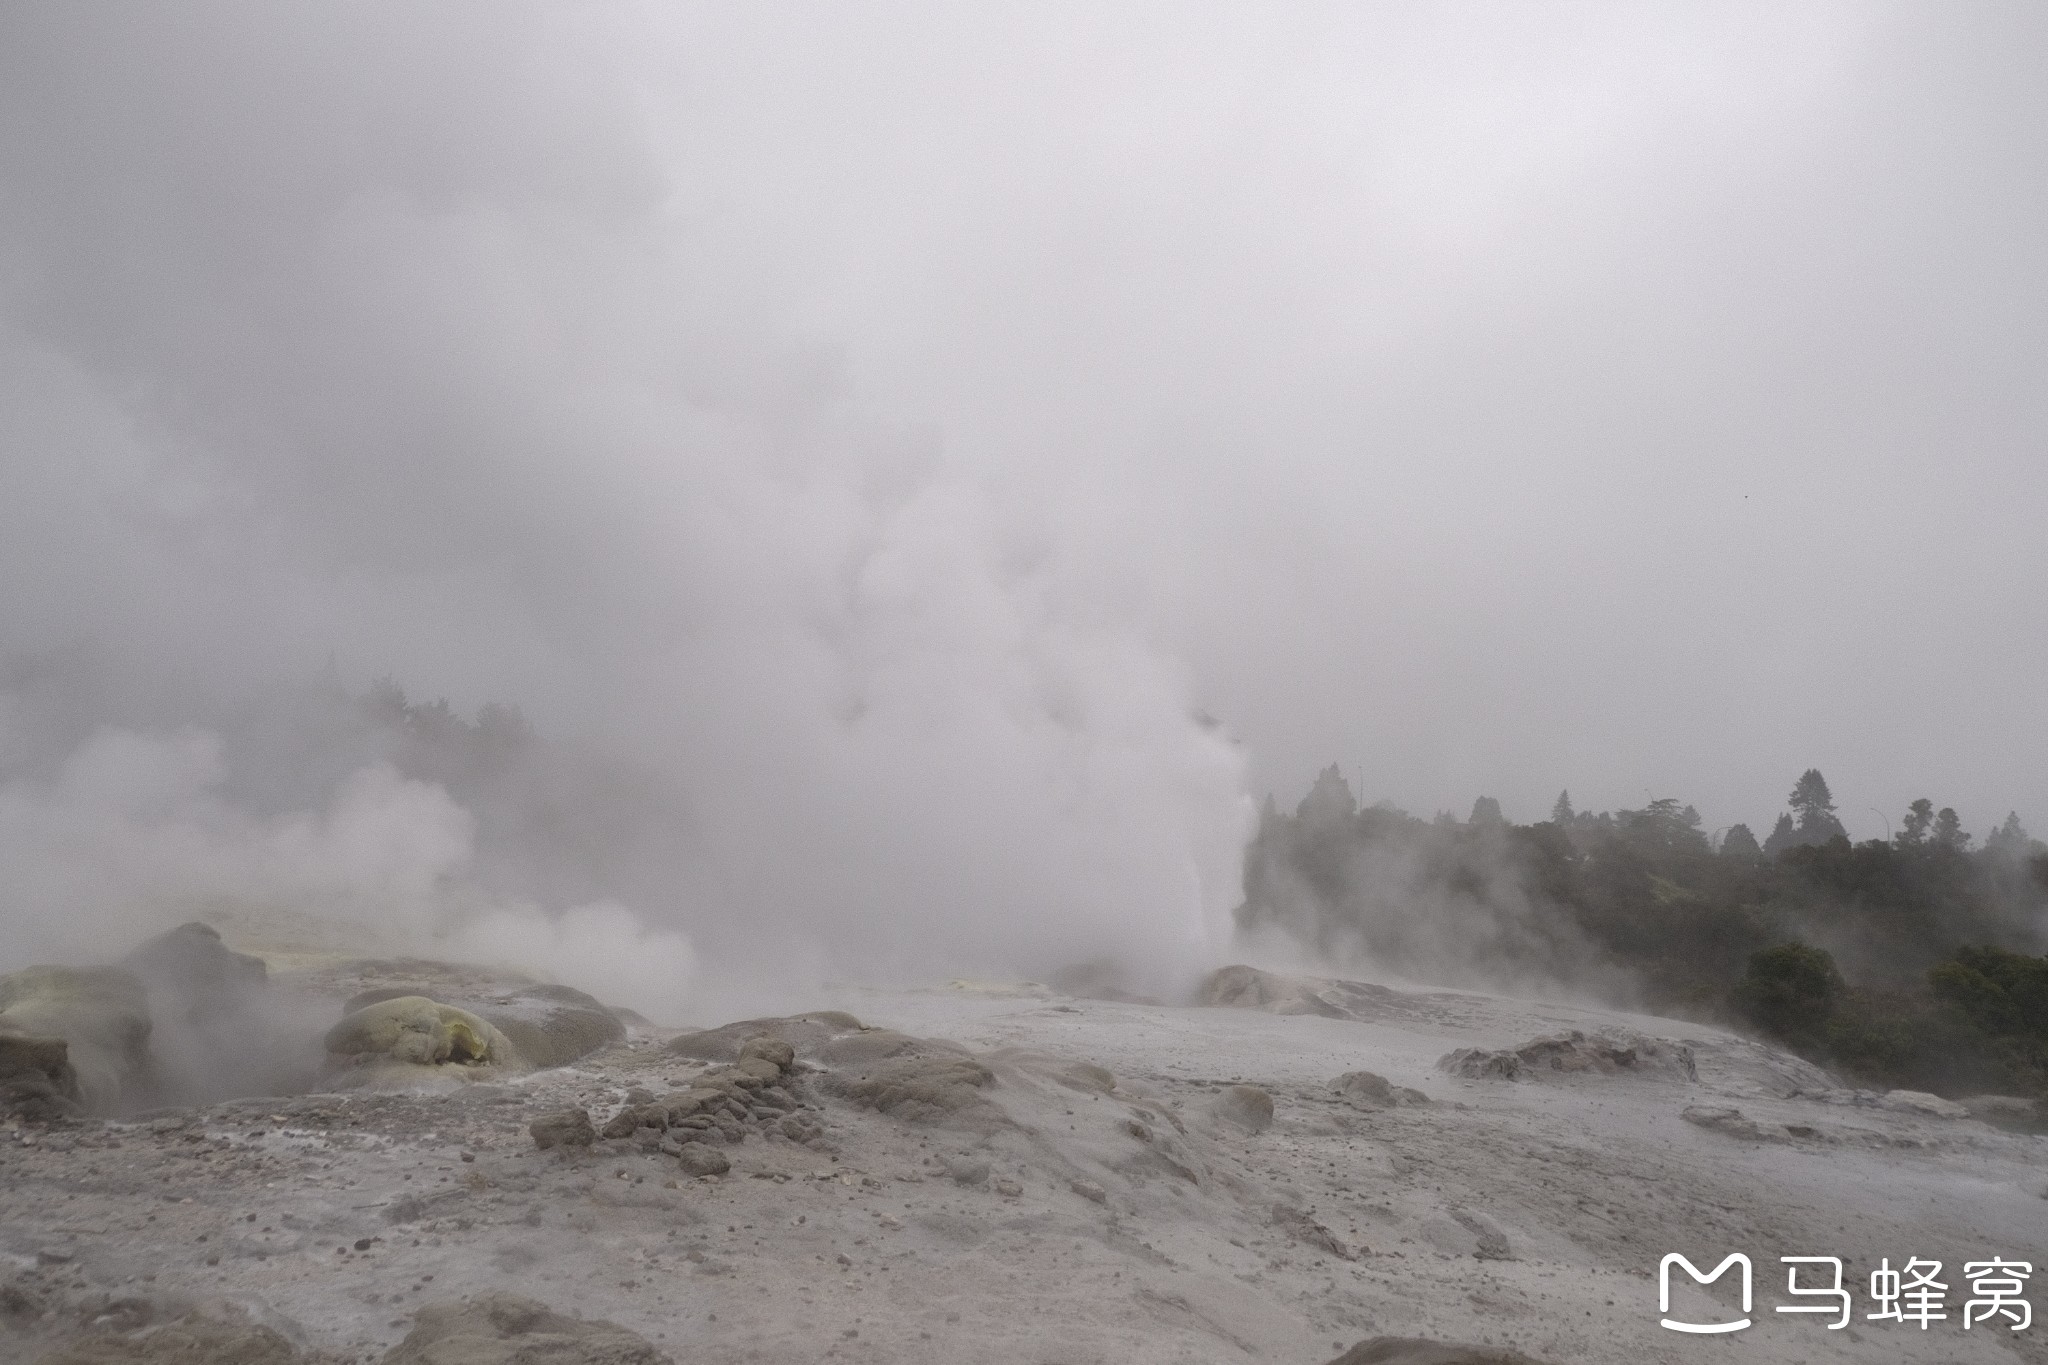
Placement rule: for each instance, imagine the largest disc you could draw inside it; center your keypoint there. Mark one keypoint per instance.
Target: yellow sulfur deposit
(413, 1028)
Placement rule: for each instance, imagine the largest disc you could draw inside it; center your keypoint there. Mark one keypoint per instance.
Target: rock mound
(919, 1089)
(541, 1025)
(1576, 1053)
(1721, 1119)
(805, 1033)
(760, 1089)
(1244, 1106)
(563, 1128)
(1370, 1090)
(552, 1025)
(416, 1031)
(194, 974)
(505, 1329)
(1249, 988)
(873, 1045)
(99, 1013)
(221, 1335)
(36, 1078)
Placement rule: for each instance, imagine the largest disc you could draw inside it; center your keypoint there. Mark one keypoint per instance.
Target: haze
(970, 456)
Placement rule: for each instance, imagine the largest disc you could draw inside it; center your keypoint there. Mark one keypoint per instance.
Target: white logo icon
(1664, 1291)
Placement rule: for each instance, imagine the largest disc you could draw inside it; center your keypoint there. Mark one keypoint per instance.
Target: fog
(953, 462)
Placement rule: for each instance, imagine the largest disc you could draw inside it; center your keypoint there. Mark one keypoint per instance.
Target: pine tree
(1740, 843)
(1814, 805)
(1561, 813)
(2009, 839)
(1329, 800)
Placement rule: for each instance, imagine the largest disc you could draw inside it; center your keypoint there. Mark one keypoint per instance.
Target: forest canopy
(1912, 961)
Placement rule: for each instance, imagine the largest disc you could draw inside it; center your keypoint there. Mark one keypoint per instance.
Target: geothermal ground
(1071, 1181)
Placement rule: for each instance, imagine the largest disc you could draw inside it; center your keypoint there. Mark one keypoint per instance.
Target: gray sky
(899, 418)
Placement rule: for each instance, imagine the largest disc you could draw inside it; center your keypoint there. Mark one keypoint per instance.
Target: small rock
(699, 1158)
(1008, 1188)
(1246, 1107)
(1088, 1076)
(405, 1209)
(1367, 1089)
(1721, 1120)
(766, 1047)
(1920, 1102)
(1491, 1242)
(966, 1170)
(563, 1128)
(1303, 1228)
(1090, 1191)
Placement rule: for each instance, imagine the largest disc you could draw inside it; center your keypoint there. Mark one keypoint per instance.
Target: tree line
(1912, 961)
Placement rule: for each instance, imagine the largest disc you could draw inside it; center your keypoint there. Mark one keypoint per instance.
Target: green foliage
(1929, 984)
(1740, 844)
(1789, 992)
(1919, 820)
(2000, 991)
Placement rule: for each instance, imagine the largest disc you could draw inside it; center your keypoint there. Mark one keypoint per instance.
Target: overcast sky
(894, 409)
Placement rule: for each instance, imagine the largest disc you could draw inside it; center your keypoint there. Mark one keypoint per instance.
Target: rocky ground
(1004, 1173)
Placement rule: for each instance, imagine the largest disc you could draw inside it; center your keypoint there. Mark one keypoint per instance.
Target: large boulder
(100, 1014)
(505, 1329)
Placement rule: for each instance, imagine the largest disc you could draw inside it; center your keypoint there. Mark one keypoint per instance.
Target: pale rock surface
(1114, 1219)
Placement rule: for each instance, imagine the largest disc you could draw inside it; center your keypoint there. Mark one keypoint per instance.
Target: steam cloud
(387, 336)
(865, 443)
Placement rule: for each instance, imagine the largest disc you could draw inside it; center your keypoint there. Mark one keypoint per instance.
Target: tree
(1486, 811)
(1663, 827)
(1561, 813)
(1919, 819)
(1783, 836)
(1740, 843)
(1789, 992)
(1813, 805)
(1328, 801)
(1948, 831)
(2010, 839)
